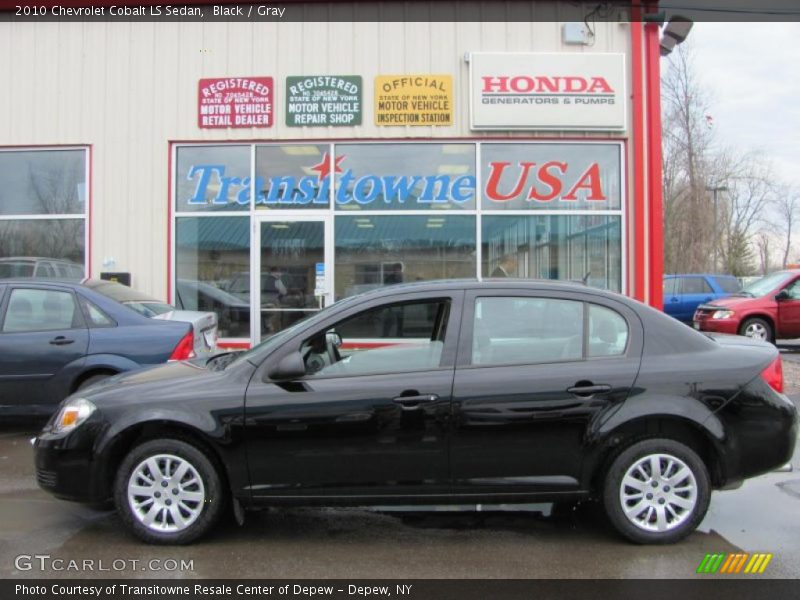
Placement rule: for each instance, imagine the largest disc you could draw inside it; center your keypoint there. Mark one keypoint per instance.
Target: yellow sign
(414, 100)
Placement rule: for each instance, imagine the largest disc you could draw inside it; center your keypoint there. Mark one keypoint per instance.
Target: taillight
(773, 375)
(185, 348)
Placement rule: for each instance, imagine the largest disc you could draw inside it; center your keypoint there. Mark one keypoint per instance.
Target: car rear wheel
(656, 491)
(168, 492)
(757, 329)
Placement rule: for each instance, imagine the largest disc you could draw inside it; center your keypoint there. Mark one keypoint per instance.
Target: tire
(200, 499)
(757, 328)
(644, 523)
(92, 380)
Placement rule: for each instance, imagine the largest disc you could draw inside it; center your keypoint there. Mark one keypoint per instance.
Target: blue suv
(684, 293)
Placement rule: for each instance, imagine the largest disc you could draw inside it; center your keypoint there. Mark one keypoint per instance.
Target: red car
(767, 309)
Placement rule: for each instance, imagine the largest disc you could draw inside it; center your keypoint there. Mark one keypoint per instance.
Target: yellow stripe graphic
(767, 558)
(753, 564)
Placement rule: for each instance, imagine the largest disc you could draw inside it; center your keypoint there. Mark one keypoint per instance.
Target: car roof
(489, 283)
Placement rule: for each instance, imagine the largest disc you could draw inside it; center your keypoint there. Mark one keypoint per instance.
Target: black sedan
(432, 393)
(57, 337)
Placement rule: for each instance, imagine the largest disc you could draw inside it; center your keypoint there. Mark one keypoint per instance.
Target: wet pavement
(762, 516)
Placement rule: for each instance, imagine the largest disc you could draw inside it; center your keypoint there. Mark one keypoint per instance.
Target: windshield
(766, 284)
(149, 309)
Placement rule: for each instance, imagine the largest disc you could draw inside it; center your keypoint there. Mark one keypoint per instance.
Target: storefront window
(381, 250)
(405, 176)
(580, 247)
(212, 178)
(36, 183)
(293, 176)
(551, 176)
(212, 258)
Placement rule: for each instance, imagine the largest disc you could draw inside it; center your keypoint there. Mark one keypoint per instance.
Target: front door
(292, 276)
(370, 416)
(789, 312)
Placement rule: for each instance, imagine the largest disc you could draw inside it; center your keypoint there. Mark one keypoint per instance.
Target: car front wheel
(656, 491)
(757, 329)
(167, 491)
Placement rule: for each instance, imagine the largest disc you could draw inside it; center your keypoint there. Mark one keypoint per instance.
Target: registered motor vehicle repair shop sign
(323, 100)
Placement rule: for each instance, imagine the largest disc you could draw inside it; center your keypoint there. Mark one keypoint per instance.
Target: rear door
(534, 370)
(43, 339)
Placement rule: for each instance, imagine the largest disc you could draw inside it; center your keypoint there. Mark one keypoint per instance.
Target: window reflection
(42, 248)
(212, 254)
(212, 178)
(43, 182)
(381, 250)
(580, 247)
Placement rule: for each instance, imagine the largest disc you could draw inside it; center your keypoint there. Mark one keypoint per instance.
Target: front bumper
(703, 323)
(66, 466)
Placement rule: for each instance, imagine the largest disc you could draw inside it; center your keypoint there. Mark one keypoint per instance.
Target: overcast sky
(752, 72)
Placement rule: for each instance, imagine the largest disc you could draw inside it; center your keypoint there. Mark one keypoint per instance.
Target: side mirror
(333, 339)
(782, 295)
(288, 368)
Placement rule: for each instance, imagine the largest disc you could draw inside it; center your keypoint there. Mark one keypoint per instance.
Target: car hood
(160, 382)
(730, 301)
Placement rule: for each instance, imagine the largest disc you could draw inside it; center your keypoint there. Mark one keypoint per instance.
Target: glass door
(292, 272)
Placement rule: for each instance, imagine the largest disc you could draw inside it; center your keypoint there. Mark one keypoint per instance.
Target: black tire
(758, 322)
(210, 508)
(92, 380)
(681, 525)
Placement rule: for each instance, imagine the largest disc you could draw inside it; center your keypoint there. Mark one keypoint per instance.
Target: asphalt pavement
(762, 516)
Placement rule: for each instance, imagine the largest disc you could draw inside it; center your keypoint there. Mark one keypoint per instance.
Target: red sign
(235, 102)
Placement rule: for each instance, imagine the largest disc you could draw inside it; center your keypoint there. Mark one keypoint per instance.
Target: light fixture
(300, 150)
(675, 33)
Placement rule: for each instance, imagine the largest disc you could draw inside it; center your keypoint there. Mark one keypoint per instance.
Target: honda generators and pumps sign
(565, 91)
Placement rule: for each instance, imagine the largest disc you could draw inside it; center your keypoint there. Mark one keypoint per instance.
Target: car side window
(608, 332)
(393, 338)
(40, 310)
(794, 290)
(94, 316)
(524, 330)
(669, 286)
(695, 285)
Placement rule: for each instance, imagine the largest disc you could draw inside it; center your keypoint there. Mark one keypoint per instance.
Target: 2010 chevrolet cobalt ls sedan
(439, 392)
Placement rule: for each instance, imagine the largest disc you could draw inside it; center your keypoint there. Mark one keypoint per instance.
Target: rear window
(729, 285)
(15, 269)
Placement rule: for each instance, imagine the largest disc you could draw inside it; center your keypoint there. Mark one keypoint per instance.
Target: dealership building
(265, 168)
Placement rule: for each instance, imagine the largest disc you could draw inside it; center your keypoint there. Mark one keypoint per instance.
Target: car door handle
(61, 341)
(414, 402)
(585, 391)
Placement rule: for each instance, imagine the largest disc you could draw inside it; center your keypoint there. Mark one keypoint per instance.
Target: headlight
(722, 314)
(72, 414)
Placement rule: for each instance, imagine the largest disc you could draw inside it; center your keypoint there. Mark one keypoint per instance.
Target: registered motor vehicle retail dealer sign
(236, 102)
(324, 100)
(547, 91)
(413, 100)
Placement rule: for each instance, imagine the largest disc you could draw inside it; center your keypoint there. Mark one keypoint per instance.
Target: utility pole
(715, 190)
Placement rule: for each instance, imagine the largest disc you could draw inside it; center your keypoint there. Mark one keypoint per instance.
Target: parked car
(30, 266)
(767, 309)
(57, 337)
(233, 313)
(684, 293)
(204, 323)
(592, 394)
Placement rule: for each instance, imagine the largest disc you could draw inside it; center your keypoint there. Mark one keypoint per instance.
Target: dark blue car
(684, 293)
(57, 337)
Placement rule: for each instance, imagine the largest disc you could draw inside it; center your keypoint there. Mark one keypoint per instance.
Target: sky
(752, 74)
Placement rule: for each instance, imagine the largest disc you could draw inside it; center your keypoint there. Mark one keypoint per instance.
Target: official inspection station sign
(547, 91)
(414, 100)
(324, 100)
(235, 102)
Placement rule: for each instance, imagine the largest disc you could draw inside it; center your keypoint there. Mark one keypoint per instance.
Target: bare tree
(687, 143)
(763, 245)
(786, 205)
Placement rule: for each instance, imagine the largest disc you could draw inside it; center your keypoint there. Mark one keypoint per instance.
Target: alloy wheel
(756, 331)
(166, 493)
(658, 493)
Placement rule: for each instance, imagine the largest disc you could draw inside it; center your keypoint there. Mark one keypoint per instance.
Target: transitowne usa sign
(547, 91)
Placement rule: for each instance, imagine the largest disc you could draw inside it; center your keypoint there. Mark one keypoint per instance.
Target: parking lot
(355, 543)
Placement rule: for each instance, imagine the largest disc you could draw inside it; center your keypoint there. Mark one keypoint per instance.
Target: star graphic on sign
(324, 167)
